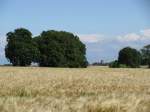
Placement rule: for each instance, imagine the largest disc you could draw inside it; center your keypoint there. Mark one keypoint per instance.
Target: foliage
(60, 49)
(20, 49)
(130, 57)
(114, 64)
(123, 66)
(145, 51)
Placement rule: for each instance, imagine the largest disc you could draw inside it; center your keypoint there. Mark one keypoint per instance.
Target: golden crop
(93, 89)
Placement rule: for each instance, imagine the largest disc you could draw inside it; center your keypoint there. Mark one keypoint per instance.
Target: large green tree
(129, 57)
(60, 49)
(20, 49)
(145, 51)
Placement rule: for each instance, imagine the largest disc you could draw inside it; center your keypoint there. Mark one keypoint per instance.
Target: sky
(105, 26)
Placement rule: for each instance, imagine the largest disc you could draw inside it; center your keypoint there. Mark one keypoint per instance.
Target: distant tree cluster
(132, 58)
(101, 63)
(49, 49)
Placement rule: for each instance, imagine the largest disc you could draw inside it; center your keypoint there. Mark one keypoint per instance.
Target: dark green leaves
(129, 57)
(20, 50)
(50, 49)
(60, 49)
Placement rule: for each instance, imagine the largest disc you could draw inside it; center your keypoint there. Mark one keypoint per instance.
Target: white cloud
(2, 45)
(146, 33)
(143, 35)
(2, 42)
(91, 38)
(129, 37)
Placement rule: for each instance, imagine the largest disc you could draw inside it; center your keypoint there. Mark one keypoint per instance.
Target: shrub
(114, 64)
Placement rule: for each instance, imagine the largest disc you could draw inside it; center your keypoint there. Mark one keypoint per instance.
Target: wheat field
(93, 89)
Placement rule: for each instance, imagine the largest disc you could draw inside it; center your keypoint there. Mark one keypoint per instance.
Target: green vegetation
(132, 58)
(20, 50)
(145, 51)
(60, 49)
(50, 49)
(63, 49)
(129, 57)
(114, 64)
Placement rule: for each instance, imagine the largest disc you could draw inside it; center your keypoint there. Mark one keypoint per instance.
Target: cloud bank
(107, 48)
(91, 38)
(2, 52)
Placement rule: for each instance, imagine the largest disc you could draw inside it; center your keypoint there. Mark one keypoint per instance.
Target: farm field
(92, 89)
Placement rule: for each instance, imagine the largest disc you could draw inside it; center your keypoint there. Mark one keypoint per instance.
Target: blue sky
(105, 26)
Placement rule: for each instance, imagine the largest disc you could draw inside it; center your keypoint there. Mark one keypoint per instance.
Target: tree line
(49, 49)
(132, 58)
(62, 49)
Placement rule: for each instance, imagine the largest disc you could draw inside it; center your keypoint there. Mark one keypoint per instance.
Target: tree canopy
(20, 49)
(145, 51)
(129, 57)
(60, 49)
(50, 49)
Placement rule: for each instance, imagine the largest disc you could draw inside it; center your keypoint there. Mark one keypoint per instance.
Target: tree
(130, 57)
(20, 49)
(60, 49)
(145, 51)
